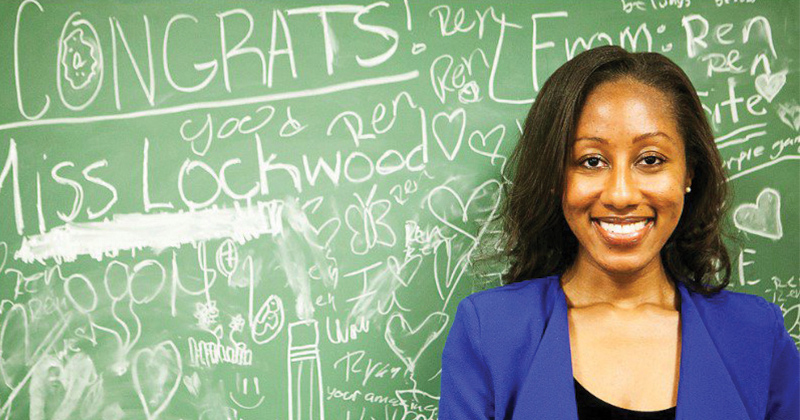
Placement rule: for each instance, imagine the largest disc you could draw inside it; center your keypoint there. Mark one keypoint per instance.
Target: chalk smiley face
(249, 398)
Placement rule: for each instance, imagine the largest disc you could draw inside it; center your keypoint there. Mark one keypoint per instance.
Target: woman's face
(625, 178)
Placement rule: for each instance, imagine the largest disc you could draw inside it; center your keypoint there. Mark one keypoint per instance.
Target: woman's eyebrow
(638, 138)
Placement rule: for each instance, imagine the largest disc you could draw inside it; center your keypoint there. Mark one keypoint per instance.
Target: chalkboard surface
(265, 210)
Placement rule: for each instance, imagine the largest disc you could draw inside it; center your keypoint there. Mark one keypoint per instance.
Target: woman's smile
(629, 233)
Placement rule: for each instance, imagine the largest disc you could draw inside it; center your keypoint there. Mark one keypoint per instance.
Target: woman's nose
(622, 190)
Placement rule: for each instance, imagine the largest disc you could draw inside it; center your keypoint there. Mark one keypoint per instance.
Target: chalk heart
(409, 344)
(450, 209)
(156, 376)
(762, 218)
(768, 85)
(404, 273)
(488, 144)
(57, 389)
(452, 143)
(192, 383)
(790, 115)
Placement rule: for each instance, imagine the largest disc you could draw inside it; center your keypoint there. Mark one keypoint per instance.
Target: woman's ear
(689, 176)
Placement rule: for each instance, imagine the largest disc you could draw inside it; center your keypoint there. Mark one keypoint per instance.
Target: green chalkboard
(266, 210)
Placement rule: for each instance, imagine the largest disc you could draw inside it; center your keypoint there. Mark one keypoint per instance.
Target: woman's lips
(623, 239)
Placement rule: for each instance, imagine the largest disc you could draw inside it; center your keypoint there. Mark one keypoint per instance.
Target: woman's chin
(625, 265)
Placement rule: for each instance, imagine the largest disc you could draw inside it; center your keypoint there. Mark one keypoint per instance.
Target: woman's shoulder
(742, 324)
(737, 308)
(508, 320)
(749, 334)
(532, 298)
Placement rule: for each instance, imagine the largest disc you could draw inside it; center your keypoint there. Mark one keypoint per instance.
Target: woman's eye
(652, 160)
(592, 162)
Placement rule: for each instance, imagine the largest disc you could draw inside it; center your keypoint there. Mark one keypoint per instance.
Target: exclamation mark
(408, 15)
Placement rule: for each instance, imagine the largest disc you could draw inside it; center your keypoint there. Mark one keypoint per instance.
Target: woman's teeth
(623, 229)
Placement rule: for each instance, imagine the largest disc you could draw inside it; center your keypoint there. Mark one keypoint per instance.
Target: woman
(611, 307)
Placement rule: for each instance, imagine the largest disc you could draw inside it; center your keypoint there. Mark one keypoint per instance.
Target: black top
(593, 408)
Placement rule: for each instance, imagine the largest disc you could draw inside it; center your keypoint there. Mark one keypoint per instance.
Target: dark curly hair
(534, 238)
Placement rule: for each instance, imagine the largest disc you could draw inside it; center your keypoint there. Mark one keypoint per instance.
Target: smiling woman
(617, 104)
(614, 303)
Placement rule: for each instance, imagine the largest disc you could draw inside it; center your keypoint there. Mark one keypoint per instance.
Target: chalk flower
(237, 323)
(206, 314)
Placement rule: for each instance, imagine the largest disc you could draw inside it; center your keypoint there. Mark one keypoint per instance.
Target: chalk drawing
(156, 373)
(762, 218)
(409, 344)
(304, 372)
(244, 391)
(450, 145)
(768, 85)
(192, 383)
(58, 389)
(789, 113)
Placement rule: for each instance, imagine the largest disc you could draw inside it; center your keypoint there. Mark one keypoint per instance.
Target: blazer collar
(705, 387)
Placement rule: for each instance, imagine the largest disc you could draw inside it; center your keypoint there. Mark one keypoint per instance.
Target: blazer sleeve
(784, 386)
(466, 388)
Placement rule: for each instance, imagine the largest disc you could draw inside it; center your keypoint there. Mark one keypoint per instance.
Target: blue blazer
(507, 356)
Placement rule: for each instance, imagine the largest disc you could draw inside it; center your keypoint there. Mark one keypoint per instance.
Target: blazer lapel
(548, 391)
(705, 387)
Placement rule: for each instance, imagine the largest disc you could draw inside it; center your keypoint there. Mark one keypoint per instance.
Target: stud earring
(688, 189)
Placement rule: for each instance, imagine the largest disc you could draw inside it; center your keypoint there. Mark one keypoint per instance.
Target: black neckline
(580, 388)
